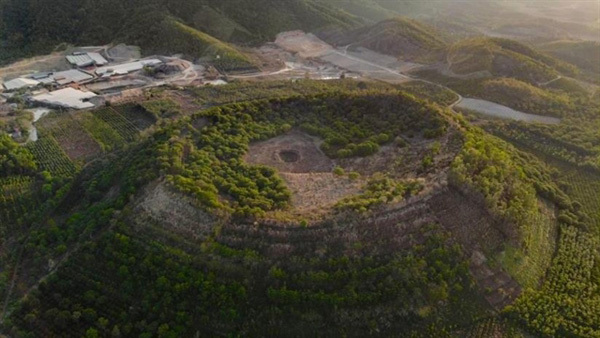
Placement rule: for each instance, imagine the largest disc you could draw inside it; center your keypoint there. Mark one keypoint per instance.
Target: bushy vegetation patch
(505, 58)
(378, 191)
(207, 163)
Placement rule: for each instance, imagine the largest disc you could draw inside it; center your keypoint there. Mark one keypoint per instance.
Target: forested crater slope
(434, 224)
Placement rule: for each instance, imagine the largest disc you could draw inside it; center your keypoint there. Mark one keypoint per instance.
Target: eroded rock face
(173, 211)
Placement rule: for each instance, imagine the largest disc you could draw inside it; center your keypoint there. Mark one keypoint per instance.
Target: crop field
(124, 128)
(584, 187)
(14, 201)
(490, 327)
(582, 184)
(563, 151)
(50, 157)
(136, 114)
(77, 143)
(102, 132)
(570, 281)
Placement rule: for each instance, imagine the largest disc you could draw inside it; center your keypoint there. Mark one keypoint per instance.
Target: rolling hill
(172, 36)
(34, 27)
(583, 54)
(400, 37)
(504, 58)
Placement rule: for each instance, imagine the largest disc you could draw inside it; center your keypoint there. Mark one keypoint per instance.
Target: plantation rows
(85, 135)
(584, 187)
(560, 150)
(71, 136)
(15, 199)
(569, 301)
(114, 127)
(50, 157)
(140, 117)
(125, 128)
(102, 132)
(491, 327)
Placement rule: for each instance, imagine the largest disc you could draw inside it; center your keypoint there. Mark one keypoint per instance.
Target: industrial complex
(89, 77)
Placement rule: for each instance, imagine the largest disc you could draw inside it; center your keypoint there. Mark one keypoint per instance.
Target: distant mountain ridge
(32, 27)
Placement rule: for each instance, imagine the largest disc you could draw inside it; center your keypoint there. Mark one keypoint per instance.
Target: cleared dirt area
(294, 152)
(306, 171)
(77, 143)
(361, 61)
(173, 211)
(54, 61)
(316, 192)
(306, 45)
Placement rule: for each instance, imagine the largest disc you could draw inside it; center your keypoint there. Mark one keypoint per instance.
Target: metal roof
(98, 59)
(20, 82)
(87, 59)
(70, 76)
(67, 97)
(125, 68)
(40, 75)
(82, 60)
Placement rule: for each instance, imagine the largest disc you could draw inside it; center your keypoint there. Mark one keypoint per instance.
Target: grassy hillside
(583, 54)
(31, 27)
(562, 98)
(176, 37)
(401, 37)
(505, 58)
(525, 97)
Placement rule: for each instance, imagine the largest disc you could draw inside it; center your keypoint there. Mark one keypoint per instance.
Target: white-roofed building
(80, 60)
(98, 59)
(20, 82)
(126, 68)
(66, 98)
(86, 59)
(70, 76)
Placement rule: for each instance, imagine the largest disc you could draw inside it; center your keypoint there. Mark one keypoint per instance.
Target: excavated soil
(294, 152)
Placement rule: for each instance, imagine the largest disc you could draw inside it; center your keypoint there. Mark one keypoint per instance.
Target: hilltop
(504, 58)
(583, 54)
(403, 38)
(172, 36)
